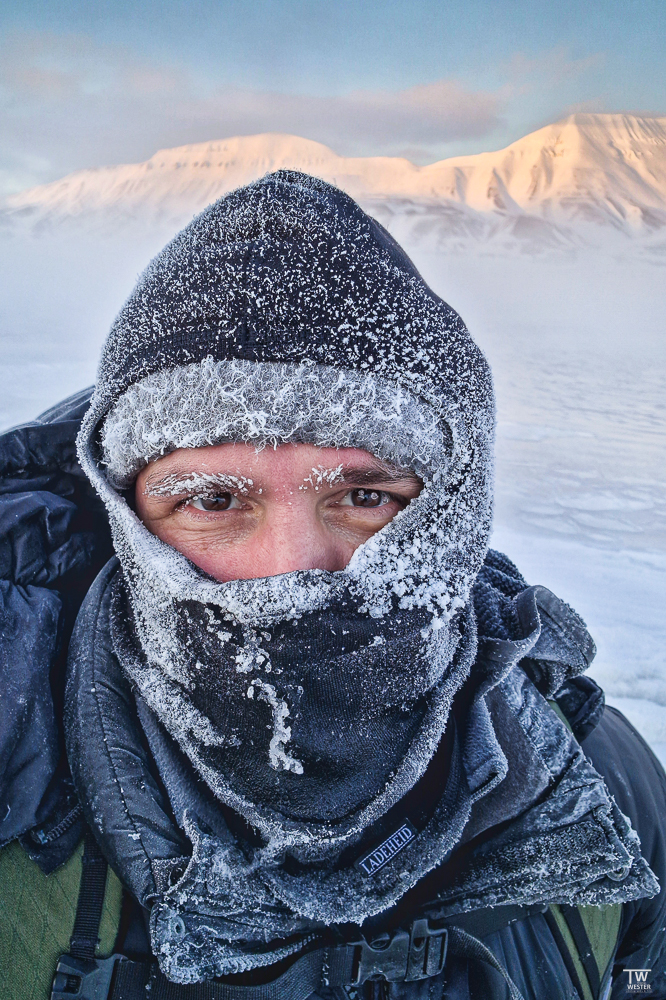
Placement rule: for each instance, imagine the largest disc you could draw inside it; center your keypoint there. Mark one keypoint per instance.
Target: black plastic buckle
(427, 951)
(400, 957)
(78, 979)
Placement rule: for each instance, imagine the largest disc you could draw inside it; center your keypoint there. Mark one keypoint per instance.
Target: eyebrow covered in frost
(183, 480)
(176, 483)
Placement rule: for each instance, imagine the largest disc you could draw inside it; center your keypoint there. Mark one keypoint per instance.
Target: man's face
(240, 514)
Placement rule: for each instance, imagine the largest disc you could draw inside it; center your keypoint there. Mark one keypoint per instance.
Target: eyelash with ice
(212, 494)
(208, 495)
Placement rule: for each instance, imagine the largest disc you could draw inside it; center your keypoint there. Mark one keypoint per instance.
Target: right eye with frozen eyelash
(223, 501)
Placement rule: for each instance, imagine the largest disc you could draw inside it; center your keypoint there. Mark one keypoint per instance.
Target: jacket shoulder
(633, 775)
(54, 539)
(637, 782)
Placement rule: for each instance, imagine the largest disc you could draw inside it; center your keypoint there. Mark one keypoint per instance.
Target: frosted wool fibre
(417, 564)
(268, 404)
(286, 285)
(408, 611)
(284, 313)
(289, 269)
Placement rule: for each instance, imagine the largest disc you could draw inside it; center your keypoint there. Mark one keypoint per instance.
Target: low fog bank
(58, 297)
(578, 349)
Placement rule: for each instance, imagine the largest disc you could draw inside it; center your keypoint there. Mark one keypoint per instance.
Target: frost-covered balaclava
(311, 702)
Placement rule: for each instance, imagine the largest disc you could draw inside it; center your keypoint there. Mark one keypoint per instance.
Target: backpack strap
(92, 889)
(365, 967)
(403, 956)
(80, 965)
(465, 945)
(587, 938)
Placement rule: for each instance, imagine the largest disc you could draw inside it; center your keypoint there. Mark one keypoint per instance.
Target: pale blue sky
(85, 84)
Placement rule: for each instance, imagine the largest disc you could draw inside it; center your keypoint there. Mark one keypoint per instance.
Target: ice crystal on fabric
(268, 404)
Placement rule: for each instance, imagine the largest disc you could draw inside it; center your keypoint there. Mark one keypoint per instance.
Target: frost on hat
(268, 403)
(283, 312)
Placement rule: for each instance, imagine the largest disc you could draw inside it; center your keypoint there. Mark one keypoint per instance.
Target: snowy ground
(578, 347)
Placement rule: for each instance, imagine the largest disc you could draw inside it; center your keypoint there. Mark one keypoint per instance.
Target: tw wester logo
(638, 980)
(387, 850)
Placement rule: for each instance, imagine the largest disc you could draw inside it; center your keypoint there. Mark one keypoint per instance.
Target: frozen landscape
(553, 251)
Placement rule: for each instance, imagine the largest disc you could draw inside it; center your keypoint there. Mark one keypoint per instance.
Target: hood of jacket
(309, 702)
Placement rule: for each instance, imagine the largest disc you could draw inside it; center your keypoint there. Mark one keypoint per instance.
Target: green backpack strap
(37, 916)
(587, 938)
(586, 935)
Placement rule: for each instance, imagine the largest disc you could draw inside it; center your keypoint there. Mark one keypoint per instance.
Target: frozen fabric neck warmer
(311, 702)
(283, 313)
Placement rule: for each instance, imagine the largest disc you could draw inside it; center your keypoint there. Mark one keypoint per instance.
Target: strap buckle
(80, 979)
(401, 956)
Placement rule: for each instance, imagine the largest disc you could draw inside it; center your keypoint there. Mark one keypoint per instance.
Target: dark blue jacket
(54, 539)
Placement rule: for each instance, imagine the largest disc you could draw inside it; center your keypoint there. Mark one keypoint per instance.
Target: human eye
(366, 498)
(220, 501)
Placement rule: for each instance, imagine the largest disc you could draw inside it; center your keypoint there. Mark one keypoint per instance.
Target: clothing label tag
(387, 850)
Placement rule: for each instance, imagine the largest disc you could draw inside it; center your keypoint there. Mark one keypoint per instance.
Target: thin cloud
(67, 103)
(553, 67)
(362, 121)
(435, 112)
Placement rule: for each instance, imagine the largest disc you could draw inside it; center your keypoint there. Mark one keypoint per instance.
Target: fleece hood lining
(268, 404)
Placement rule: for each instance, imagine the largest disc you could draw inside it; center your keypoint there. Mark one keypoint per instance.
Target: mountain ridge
(588, 171)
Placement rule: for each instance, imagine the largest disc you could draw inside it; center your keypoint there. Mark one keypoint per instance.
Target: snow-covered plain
(577, 343)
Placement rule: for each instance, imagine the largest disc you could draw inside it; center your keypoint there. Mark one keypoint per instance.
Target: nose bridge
(296, 539)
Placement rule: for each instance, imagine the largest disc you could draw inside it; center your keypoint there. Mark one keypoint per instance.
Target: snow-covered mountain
(577, 180)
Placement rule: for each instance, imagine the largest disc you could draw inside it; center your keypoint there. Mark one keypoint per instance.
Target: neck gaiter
(311, 702)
